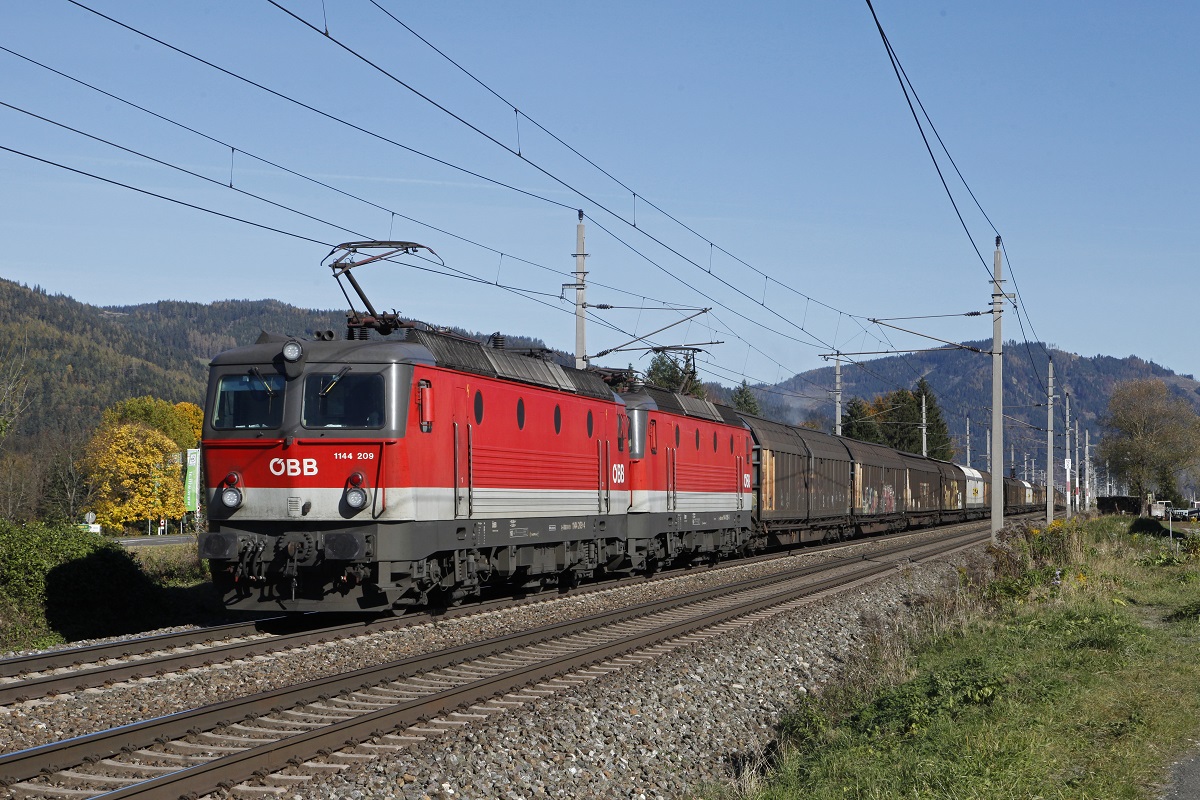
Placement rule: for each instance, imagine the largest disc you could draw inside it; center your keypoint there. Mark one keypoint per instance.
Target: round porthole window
(557, 419)
(589, 424)
(520, 414)
(478, 407)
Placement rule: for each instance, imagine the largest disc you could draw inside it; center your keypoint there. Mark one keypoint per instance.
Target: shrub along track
(253, 738)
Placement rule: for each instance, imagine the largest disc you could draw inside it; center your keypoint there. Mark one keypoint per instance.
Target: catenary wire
(313, 109)
(527, 193)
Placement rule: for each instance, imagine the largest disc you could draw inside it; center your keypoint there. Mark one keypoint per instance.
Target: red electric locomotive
(373, 474)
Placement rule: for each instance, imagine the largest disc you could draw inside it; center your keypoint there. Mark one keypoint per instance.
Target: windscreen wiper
(329, 387)
(263, 381)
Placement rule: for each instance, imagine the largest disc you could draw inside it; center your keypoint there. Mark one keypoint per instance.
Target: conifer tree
(859, 423)
(937, 433)
(745, 401)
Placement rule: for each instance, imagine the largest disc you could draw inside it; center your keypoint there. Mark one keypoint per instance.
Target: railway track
(264, 743)
(44, 675)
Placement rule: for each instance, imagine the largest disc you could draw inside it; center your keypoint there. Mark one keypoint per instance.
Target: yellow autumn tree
(193, 415)
(134, 471)
(158, 414)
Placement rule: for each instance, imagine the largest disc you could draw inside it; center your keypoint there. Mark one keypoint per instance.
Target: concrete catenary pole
(1088, 478)
(924, 428)
(1050, 446)
(997, 392)
(1067, 455)
(968, 438)
(580, 297)
(837, 394)
(1075, 466)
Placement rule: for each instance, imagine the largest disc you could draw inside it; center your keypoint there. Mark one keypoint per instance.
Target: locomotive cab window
(343, 400)
(250, 400)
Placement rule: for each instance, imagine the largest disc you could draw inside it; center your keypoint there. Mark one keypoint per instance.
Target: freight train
(375, 474)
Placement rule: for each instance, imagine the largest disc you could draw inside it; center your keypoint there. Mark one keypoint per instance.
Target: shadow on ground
(106, 594)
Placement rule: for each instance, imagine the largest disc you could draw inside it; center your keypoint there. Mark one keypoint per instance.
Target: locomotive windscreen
(343, 400)
(251, 400)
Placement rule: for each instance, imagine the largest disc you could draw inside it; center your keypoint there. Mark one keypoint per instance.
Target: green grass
(174, 565)
(1074, 673)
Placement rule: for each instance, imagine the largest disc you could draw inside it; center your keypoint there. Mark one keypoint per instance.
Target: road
(153, 541)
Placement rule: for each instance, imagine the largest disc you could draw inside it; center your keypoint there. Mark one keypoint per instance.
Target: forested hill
(962, 382)
(80, 359)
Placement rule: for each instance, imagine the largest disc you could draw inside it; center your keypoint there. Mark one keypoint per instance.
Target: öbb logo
(293, 466)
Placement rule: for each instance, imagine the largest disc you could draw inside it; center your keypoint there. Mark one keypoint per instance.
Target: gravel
(696, 715)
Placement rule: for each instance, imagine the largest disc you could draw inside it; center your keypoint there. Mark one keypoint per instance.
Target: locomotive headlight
(356, 497)
(292, 351)
(356, 491)
(231, 497)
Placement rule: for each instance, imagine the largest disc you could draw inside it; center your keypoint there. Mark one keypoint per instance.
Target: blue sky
(775, 131)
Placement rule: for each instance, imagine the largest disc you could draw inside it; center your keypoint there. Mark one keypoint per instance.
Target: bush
(59, 583)
(29, 551)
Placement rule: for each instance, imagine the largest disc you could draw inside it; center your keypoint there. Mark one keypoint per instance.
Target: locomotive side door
(463, 433)
(739, 467)
(672, 458)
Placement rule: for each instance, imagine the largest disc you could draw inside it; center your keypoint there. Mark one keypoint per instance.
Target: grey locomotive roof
(473, 357)
(682, 404)
(429, 348)
(269, 348)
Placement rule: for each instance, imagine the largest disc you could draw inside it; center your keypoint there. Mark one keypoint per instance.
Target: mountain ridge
(81, 359)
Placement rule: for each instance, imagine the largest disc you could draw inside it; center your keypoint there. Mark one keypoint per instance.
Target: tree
(158, 414)
(65, 490)
(1148, 433)
(897, 416)
(859, 423)
(134, 472)
(666, 372)
(14, 384)
(745, 401)
(193, 415)
(937, 433)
